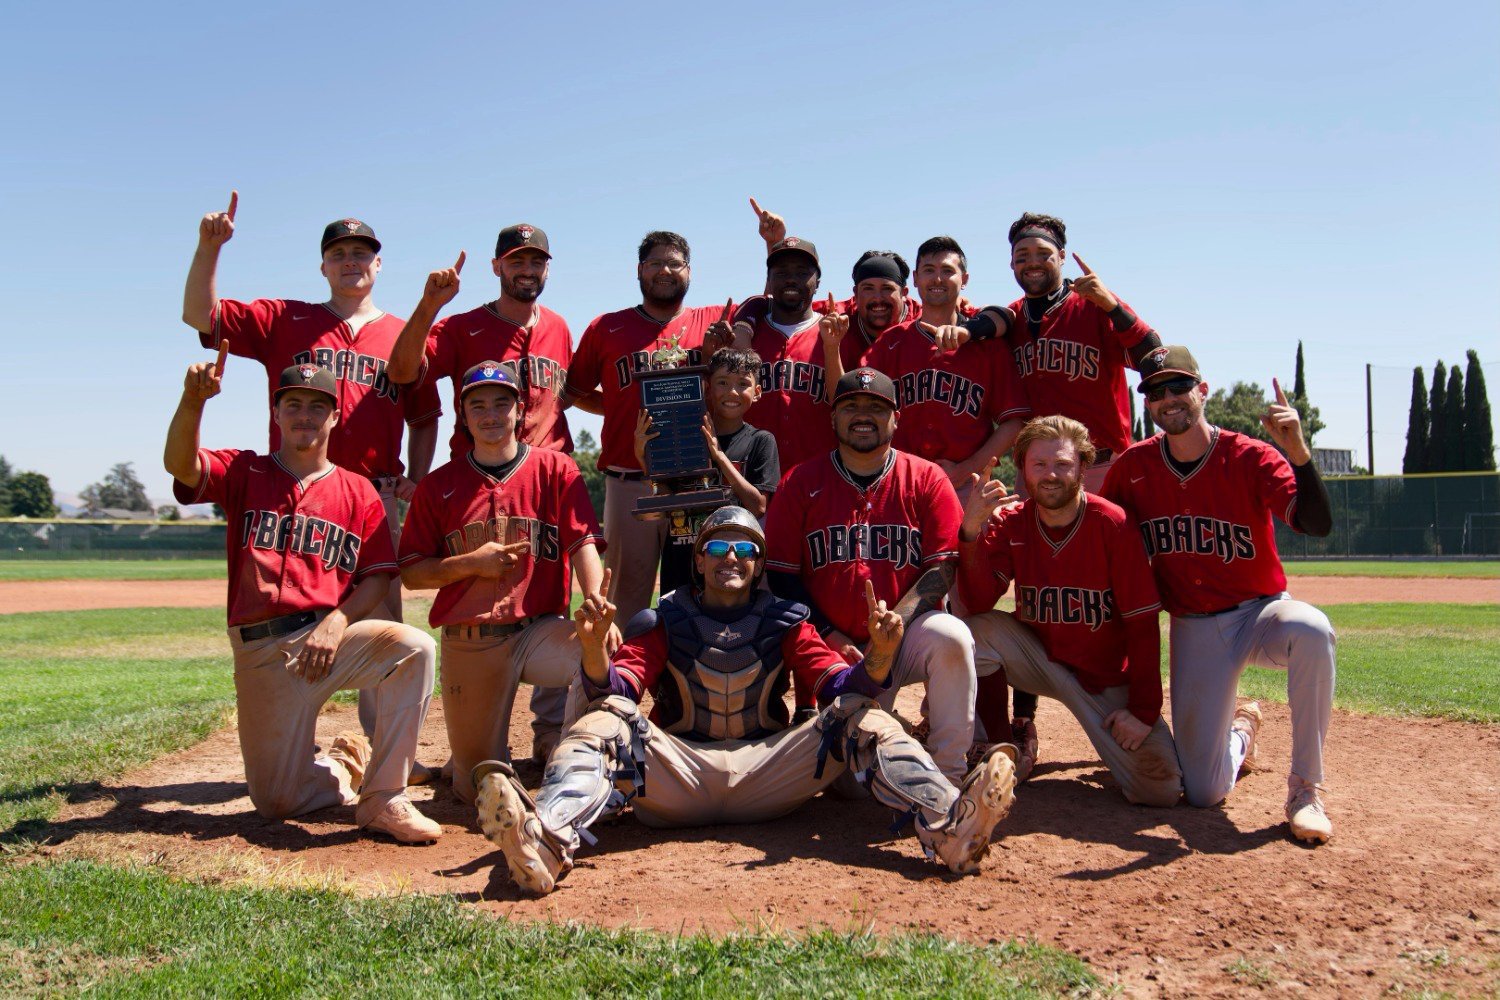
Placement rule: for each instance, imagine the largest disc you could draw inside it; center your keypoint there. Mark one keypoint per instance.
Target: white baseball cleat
(983, 801)
(507, 815)
(1304, 811)
(399, 819)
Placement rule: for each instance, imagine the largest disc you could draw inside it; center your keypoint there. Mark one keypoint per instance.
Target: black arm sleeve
(1314, 515)
(789, 587)
(983, 325)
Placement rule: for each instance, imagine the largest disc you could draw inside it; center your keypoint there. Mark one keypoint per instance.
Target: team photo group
(863, 548)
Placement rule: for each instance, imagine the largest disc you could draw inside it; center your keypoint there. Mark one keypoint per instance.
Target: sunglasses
(718, 548)
(1176, 386)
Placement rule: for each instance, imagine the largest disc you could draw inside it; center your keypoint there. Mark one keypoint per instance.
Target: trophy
(677, 460)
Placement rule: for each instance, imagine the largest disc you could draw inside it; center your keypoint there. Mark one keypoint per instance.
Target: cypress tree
(1453, 439)
(1437, 409)
(1479, 430)
(1415, 459)
(1299, 384)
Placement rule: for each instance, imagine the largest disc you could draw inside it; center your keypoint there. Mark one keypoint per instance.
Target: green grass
(75, 926)
(112, 569)
(1439, 660)
(1484, 570)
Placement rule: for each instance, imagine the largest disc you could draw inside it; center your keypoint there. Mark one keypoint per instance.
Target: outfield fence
(23, 538)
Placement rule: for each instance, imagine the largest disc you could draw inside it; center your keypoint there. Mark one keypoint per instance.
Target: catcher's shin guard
(899, 772)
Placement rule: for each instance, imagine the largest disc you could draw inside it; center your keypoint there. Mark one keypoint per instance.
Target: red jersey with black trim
(459, 507)
(1076, 590)
(280, 333)
(1209, 533)
(836, 535)
(950, 401)
(641, 659)
(292, 547)
(538, 358)
(1074, 365)
(793, 380)
(614, 349)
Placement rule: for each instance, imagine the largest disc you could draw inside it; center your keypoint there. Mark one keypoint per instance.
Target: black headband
(878, 267)
(1040, 233)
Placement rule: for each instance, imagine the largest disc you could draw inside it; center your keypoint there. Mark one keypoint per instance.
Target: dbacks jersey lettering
(950, 401)
(538, 358)
(1209, 533)
(1074, 365)
(836, 536)
(282, 332)
(613, 350)
(291, 547)
(460, 507)
(1075, 592)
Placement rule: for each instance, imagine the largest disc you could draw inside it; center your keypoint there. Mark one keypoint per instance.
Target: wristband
(981, 326)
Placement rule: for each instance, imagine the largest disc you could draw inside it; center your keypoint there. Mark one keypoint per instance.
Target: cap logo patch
(791, 241)
(488, 371)
(352, 224)
(1158, 357)
(524, 232)
(307, 372)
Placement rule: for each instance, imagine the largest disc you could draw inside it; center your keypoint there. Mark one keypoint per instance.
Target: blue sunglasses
(718, 548)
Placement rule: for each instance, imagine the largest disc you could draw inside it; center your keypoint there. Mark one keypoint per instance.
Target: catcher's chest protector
(726, 679)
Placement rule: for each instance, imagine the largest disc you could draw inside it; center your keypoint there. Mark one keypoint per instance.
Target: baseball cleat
(507, 815)
(401, 820)
(978, 751)
(983, 801)
(1304, 811)
(1023, 735)
(351, 751)
(423, 774)
(1247, 720)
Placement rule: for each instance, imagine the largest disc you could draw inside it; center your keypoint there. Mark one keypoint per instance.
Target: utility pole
(1369, 421)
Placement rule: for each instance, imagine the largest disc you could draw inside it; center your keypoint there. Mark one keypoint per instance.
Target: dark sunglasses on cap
(718, 548)
(1176, 386)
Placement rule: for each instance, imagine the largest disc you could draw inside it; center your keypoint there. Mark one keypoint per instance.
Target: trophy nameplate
(677, 459)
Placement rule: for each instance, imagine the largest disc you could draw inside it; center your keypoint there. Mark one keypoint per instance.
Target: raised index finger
(1280, 395)
(870, 595)
(757, 209)
(728, 309)
(1081, 265)
(223, 356)
(234, 203)
(458, 265)
(833, 309)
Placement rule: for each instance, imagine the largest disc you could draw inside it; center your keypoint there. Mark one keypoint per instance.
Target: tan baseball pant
(633, 549)
(938, 653)
(278, 713)
(1148, 775)
(390, 609)
(479, 681)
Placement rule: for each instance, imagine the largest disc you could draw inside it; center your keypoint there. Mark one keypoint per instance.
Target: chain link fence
(21, 538)
(1444, 515)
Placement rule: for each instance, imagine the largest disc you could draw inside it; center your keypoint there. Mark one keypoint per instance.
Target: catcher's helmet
(729, 519)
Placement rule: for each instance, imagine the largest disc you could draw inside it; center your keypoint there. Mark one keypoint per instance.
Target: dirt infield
(1171, 902)
(78, 595)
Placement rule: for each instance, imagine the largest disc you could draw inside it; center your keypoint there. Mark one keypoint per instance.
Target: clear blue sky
(1245, 175)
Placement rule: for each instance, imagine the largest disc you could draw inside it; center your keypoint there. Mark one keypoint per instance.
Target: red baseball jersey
(793, 379)
(836, 536)
(1209, 533)
(459, 507)
(539, 358)
(280, 333)
(950, 400)
(613, 350)
(1076, 590)
(291, 547)
(1074, 365)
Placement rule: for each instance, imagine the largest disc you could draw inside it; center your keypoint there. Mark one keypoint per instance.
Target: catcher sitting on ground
(719, 747)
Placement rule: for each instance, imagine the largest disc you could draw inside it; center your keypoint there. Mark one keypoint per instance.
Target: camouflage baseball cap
(313, 377)
(1166, 363)
(348, 229)
(521, 236)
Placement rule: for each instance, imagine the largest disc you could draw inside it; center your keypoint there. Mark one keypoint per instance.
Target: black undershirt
(505, 468)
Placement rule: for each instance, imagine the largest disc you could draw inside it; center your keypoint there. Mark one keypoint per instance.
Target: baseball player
(496, 532)
(867, 512)
(718, 747)
(1085, 629)
(1203, 498)
(528, 338)
(347, 335)
(615, 348)
(309, 561)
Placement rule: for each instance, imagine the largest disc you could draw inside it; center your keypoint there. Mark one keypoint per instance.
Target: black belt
(1103, 455)
(628, 477)
(1232, 607)
(488, 630)
(284, 625)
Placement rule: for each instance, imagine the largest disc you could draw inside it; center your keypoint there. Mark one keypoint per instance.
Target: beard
(1056, 501)
(1180, 422)
(865, 446)
(522, 293)
(655, 291)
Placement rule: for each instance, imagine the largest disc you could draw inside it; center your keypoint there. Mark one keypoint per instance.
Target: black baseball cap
(796, 244)
(865, 382)
(314, 377)
(488, 373)
(1166, 363)
(348, 229)
(521, 236)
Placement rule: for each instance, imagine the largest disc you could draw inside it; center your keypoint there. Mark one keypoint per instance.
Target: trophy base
(689, 501)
